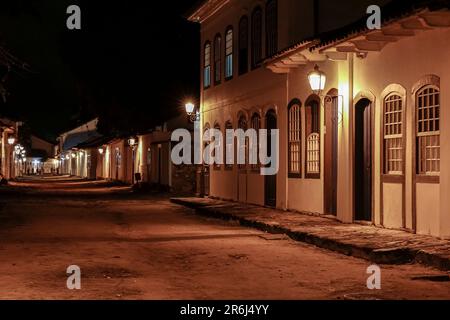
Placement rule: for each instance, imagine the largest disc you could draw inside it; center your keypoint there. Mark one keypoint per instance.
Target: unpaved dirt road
(144, 247)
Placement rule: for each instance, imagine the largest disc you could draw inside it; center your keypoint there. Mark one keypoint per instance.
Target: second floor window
(217, 60)
(207, 66)
(243, 45)
(256, 37)
(229, 53)
(271, 27)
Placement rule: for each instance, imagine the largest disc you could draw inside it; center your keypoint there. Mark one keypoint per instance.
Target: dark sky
(131, 62)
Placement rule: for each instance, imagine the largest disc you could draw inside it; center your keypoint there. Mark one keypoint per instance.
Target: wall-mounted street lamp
(192, 112)
(317, 80)
(11, 140)
(74, 155)
(101, 150)
(133, 142)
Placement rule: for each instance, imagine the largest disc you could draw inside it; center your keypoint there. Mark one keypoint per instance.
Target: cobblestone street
(144, 247)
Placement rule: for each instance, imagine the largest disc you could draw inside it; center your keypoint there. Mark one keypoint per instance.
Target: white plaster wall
(428, 209)
(392, 205)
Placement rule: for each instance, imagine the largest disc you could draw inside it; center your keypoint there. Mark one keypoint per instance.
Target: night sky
(132, 63)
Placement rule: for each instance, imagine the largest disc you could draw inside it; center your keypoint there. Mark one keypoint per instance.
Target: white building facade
(370, 147)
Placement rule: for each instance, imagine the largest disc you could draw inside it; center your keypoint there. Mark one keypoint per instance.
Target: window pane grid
(207, 66)
(228, 147)
(216, 143)
(393, 135)
(243, 126)
(428, 135)
(313, 153)
(294, 140)
(229, 54)
(256, 125)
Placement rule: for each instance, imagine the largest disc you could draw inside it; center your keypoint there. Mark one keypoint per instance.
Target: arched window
(393, 134)
(229, 144)
(271, 27)
(217, 59)
(242, 124)
(255, 125)
(243, 45)
(295, 138)
(428, 130)
(206, 143)
(256, 37)
(312, 115)
(229, 53)
(207, 66)
(216, 143)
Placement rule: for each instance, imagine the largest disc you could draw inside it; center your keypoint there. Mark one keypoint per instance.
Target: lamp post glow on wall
(193, 114)
(133, 142)
(317, 81)
(11, 141)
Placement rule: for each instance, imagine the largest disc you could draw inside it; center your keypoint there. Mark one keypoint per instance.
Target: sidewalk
(368, 242)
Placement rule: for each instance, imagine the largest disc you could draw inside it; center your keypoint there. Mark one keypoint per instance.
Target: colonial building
(146, 158)
(369, 144)
(73, 160)
(8, 139)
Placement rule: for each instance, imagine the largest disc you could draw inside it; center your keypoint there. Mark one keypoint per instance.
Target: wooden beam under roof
(437, 19)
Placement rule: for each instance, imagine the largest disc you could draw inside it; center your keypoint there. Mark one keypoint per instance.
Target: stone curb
(400, 255)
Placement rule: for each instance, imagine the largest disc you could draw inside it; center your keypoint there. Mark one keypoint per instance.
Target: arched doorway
(270, 181)
(363, 160)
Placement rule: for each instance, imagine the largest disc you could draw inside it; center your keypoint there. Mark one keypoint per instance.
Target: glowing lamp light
(189, 108)
(317, 80)
(101, 150)
(132, 142)
(67, 157)
(74, 155)
(11, 140)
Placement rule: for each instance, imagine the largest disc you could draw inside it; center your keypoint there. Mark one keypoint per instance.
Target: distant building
(85, 153)
(8, 139)
(73, 160)
(41, 158)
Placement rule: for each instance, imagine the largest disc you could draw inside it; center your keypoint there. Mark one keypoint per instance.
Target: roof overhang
(291, 58)
(376, 40)
(205, 9)
(361, 42)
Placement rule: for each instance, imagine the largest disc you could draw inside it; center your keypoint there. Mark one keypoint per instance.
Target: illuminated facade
(8, 131)
(369, 147)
